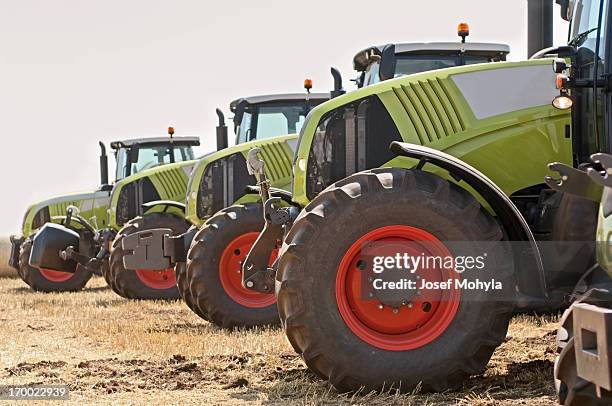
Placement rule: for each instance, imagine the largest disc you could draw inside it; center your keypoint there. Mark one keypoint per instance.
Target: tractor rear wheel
(48, 280)
(214, 277)
(371, 341)
(144, 283)
(182, 285)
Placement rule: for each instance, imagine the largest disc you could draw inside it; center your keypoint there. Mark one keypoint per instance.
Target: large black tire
(183, 286)
(310, 261)
(571, 389)
(49, 281)
(137, 284)
(226, 239)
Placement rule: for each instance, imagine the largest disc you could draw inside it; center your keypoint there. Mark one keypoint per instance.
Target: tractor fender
(163, 203)
(511, 219)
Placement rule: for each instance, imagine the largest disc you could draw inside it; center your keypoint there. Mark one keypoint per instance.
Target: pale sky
(73, 72)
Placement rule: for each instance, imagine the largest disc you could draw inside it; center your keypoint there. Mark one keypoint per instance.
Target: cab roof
(274, 98)
(193, 141)
(473, 48)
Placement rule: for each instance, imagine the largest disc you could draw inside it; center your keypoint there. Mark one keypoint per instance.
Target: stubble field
(114, 351)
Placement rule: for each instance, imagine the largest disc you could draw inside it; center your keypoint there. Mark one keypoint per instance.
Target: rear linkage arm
(257, 275)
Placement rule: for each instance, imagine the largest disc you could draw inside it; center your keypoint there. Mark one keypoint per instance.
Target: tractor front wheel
(48, 280)
(358, 337)
(144, 283)
(183, 287)
(214, 277)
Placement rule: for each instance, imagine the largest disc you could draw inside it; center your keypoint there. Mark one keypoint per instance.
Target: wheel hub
(395, 297)
(395, 319)
(230, 273)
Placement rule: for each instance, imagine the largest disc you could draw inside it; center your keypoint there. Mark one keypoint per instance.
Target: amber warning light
(171, 131)
(463, 30)
(308, 84)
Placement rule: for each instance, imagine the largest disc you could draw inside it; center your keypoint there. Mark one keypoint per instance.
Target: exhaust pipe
(539, 25)
(221, 131)
(338, 90)
(103, 164)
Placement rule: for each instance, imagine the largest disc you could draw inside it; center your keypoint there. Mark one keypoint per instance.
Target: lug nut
(249, 284)
(395, 310)
(380, 307)
(410, 305)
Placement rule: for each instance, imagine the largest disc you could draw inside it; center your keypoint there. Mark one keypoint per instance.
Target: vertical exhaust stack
(338, 90)
(103, 165)
(539, 25)
(221, 131)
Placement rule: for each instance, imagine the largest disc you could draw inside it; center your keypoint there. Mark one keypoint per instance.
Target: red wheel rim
(431, 312)
(55, 276)
(165, 279)
(230, 273)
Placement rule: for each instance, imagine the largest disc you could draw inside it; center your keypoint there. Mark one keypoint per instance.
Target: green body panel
(276, 152)
(512, 148)
(169, 181)
(93, 207)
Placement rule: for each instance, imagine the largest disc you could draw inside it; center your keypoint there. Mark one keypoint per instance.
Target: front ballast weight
(156, 249)
(257, 275)
(62, 247)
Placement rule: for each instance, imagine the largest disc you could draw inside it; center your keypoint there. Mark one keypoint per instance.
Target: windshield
(410, 64)
(150, 156)
(585, 17)
(267, 121)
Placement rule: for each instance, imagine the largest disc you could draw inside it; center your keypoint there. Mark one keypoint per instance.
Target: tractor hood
(92, 206)
(477, 113)
(220, 179)
(166, 182)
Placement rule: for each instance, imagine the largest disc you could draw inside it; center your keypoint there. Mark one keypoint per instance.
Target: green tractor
(133, 157)
(208, 258)
(464, 175)
(153, 198)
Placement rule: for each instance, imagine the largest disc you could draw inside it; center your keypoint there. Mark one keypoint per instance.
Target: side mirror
(132, 154)
(239, 112)
(565, 9)
(388, 62)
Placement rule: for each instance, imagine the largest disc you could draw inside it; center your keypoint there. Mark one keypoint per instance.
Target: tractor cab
(587, 79)
(136, 155)
(378, 63)
(267, 116)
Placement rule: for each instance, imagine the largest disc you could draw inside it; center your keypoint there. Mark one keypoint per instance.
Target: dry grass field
(113, 351)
